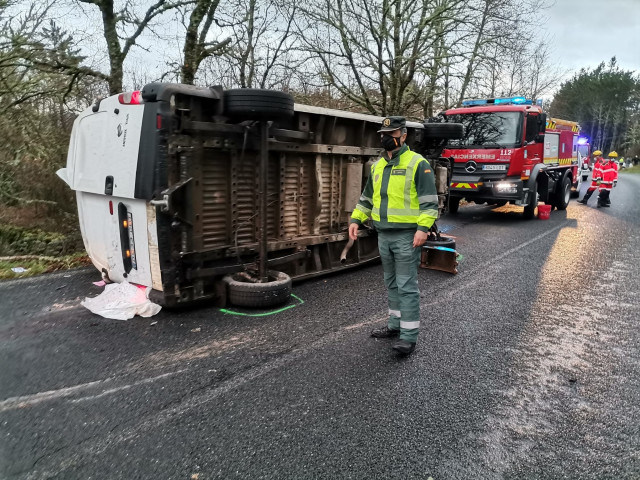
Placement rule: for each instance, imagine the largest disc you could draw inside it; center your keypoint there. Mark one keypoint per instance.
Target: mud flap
(439, 258)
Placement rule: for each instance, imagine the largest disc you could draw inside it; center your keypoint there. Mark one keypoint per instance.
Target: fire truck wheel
(257, 104)
(530, 208)
(454, 204)
(449, 131)
(243, 293)
(562, 194)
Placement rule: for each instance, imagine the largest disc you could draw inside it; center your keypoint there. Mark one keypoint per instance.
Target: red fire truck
(511, 153)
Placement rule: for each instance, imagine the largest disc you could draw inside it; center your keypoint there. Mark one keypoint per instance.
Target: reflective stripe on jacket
(400, 193)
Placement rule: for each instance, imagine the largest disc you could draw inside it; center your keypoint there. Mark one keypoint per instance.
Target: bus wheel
(243, 292)
(257, 104)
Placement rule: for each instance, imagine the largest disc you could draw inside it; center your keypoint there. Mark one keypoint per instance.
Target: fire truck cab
(511, 153)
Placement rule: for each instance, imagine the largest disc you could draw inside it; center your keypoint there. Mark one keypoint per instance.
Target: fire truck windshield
(488, 129)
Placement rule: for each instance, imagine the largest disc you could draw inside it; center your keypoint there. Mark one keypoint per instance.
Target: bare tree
(544, 74)
(434, 68)
(262, 50)
(370, 51)
(196, 47)
(121, 29)
(38, 59)
(500, 30)
(42, 83)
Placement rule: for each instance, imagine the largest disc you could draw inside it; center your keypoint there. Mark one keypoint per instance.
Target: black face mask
(390, 143)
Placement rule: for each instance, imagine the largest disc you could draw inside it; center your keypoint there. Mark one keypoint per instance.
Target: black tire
(562, 194)
(447, 242)
(269, 294)
(449, 131)
(257, 104)
(530, 208)
(454, 204)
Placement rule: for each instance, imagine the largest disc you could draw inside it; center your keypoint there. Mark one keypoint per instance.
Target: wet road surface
(527, 367)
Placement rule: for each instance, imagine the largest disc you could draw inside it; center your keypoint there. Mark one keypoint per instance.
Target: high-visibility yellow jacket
(400, 193)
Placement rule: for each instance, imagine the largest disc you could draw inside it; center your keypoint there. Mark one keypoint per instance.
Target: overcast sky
(587, 32)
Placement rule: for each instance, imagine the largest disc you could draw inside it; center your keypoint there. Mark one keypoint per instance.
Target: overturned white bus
(207, 194)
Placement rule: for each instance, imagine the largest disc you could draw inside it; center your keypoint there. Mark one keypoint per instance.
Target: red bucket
(544, 211)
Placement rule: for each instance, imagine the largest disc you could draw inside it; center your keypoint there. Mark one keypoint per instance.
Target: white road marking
(144, 381)
(30, 400)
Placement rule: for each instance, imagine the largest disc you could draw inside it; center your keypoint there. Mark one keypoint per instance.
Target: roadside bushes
(22, 241)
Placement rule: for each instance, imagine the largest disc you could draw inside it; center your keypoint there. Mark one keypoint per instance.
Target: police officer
(400, 197)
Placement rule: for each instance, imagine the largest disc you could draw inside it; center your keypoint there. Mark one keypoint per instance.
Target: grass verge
(36, 265)
(33, 251)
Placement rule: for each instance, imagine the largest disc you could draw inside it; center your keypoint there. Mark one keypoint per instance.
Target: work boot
(404, 348)
(586, 197)
(384, 332)
(607, 200)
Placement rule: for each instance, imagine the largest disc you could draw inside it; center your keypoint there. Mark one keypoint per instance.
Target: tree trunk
(246, 66)
(192, 47)
(116, 58)
(195, 48)
(439, 55)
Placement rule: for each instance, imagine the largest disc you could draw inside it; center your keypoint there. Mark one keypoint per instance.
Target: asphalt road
(527, 367)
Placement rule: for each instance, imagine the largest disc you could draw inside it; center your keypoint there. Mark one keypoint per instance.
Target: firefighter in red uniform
(596, 177)
(609, 177)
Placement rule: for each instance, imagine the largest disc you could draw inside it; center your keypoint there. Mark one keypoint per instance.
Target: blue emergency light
(519, 100)
(470, 103)
(583, 141)
(509, 100)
